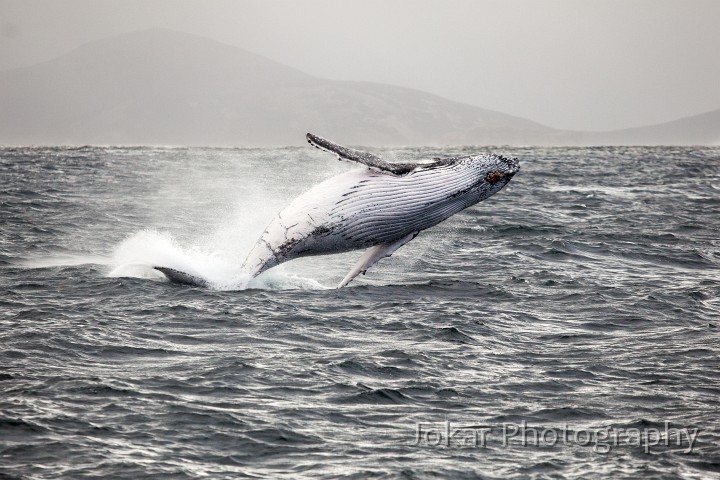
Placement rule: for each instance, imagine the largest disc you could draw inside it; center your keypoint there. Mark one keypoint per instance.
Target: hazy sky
(571, 64)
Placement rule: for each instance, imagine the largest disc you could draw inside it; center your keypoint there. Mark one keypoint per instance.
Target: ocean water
(567, 327)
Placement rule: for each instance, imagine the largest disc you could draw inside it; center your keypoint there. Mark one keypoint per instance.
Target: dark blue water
(582, 302)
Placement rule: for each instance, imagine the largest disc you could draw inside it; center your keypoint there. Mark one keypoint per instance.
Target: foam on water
(63, 260)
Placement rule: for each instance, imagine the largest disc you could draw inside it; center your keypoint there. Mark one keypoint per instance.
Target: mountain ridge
(161, 87)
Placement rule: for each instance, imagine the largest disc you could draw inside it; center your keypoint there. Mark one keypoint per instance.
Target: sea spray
(138, 254)
(148, 248)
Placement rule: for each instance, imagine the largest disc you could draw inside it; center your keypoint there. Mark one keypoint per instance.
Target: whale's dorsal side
(371, 161)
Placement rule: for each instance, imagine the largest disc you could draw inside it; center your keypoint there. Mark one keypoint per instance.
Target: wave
(63, 260)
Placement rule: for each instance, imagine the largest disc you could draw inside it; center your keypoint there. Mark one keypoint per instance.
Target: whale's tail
(183, 278)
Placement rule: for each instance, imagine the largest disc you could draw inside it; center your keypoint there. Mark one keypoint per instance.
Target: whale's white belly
(358, 209)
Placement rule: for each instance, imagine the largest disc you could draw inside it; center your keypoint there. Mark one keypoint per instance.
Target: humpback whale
(379, 207)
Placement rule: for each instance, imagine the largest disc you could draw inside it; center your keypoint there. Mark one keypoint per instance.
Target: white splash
(138, 254)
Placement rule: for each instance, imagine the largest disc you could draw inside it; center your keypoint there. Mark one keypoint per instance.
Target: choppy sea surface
(567, 327)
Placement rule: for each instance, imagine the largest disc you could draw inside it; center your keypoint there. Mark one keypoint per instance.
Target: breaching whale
(380, 207)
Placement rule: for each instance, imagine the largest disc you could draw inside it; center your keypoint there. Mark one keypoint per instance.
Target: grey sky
(569, 64)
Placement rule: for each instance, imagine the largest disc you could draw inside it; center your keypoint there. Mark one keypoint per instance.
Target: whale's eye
(494, 177)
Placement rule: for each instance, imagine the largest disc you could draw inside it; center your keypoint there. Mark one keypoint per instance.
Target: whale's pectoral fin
(372, 255)
(176, 276)
(371, 161)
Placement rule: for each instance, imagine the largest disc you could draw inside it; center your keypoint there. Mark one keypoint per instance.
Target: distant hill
(168, 88)
(703, 129)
